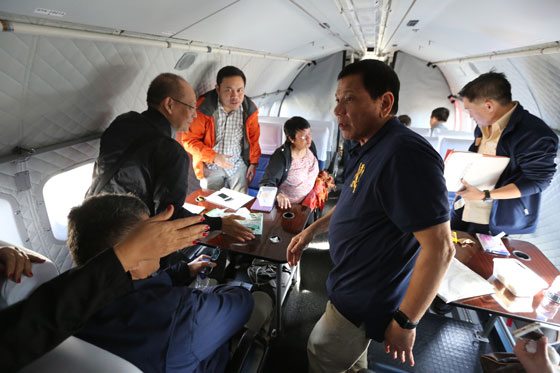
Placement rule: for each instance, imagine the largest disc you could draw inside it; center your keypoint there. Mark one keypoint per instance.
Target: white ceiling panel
(276, 27)
(454, 29)
(164, 18)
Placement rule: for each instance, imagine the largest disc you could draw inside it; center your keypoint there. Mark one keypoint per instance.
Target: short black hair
(377, 78)
(405, 119)
(164, 85)
(441, 114)
(227, 71)
(492, 85)
(100, 222)
(293, 125)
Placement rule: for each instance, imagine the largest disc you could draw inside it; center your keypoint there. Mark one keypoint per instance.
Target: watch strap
(402, 319)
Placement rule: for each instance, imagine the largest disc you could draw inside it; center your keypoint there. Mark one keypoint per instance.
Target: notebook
(479, 170)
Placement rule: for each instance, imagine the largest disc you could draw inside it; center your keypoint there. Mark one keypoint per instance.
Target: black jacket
(531, 146)
(156, 172)
(58, 309)
(279, 164)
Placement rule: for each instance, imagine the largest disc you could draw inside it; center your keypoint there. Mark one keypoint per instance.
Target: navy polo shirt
(394, 186)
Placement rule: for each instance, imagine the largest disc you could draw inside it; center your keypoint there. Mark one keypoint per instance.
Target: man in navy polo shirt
(393, 201)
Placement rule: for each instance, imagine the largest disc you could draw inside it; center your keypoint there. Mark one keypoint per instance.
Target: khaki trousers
(217, 179)
(336, 344)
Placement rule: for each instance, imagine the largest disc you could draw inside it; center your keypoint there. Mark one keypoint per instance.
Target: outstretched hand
(15, 262)
(201, 262)
(283, 201)
(223, 161)
(157, 237)
(399, 342)
(232, 228)
(296, 246)
(537, 362)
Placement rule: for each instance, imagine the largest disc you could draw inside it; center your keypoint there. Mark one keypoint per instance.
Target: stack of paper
(461, 282)
(517, 277)
(229, 198)
(482, 171)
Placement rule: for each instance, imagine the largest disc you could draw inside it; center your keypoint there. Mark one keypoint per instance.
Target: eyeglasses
(184, 103)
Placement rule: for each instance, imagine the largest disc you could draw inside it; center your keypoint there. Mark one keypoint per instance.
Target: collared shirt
(491, 134)
(439, 129)
(394, 186)
(229, 137)
(479, 211)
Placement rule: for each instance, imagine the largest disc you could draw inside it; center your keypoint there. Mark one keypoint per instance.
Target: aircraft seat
(452, 143)
(259, 173)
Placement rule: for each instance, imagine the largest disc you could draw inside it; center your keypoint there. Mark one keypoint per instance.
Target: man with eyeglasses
(224, 137)
(138, 153)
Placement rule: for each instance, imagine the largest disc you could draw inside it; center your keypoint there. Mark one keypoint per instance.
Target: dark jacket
(531, 146)
(279, 165)
(156, 172)
(58, 309)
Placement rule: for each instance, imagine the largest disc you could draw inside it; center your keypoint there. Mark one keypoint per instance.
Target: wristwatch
(403, 320)
(487, 196)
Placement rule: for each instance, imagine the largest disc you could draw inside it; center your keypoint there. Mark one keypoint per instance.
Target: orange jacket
(200, 139)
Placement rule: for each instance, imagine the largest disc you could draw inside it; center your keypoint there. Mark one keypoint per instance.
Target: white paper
(477, 212)
(479, 170)
(229, 198)
(461, 282)
(195, 209)
(517, 277)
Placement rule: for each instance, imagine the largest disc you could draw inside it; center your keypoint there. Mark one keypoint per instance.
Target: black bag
(501, 362)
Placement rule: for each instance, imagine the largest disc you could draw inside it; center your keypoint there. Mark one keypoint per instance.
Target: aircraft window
(8, 229)
(62, 192)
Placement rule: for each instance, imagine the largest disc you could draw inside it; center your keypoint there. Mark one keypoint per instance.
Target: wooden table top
(503, 302)
(274, 225)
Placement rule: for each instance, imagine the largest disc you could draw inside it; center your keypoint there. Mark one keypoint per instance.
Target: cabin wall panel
(547, 236)
(422, 90)
(42, 167)
(534, 82)
(55, 89)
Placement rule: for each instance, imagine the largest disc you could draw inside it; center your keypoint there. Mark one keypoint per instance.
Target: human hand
(232, 228)
(222, 160)
(198, 264)
(15, 261)
(399, 342)
(283, 201)
(250, 173)
(538, 362)
(296, 246)
(470, 193)
(156, 237)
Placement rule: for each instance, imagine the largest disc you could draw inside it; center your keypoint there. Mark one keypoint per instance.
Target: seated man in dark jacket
(138, 153)
(161, 325)
(60, 307)
(506, 129)
(293, 167)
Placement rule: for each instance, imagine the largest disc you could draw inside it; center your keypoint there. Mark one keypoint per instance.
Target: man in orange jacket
(224, 138)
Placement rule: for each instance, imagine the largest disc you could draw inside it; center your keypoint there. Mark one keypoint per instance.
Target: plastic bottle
(202, 279)
(550, 302)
